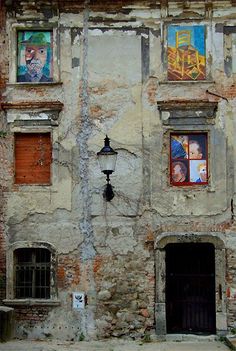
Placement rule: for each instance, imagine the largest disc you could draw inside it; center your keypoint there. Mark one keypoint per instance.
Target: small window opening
(32, 273)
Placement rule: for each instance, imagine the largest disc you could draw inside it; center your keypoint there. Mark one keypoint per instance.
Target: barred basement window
(32, 273)
(188, 159)
(33, 158)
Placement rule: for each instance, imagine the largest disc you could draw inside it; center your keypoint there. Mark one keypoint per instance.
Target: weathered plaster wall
(5, 151)
(113, 72)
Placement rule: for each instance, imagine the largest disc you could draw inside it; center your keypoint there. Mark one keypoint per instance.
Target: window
(32, 273)
(35, 56)
(188, 159)
(33, 155)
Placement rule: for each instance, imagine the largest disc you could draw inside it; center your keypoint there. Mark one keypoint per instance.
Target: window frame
(188, 159)
(10, 283)
(50, 79)
(208, 51)
(33, 268)
(186, 27)
(13, 29)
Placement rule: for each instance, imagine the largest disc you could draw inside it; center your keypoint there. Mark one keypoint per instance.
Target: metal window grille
(32, 273)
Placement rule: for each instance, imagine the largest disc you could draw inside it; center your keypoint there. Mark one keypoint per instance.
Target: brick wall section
(196, 227)
(231, 282)
(228, 92)
(231, 313)
(3, 52)
(78, 5)
(6, 176)
(68, 271)
(31, 315)
(3, 78)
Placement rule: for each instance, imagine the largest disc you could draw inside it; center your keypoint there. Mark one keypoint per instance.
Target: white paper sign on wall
(78, 300)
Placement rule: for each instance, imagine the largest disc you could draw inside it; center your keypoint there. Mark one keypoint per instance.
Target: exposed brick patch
(97, 264)
(231, 286)
(31, 314)
(196, 227)
(5, 168)
(2, 266)
(228, 92)
(151, 90)
(61, 277)
(6, 176)
(3, 53)
(68, 271)
(96, 111)
(231, 313)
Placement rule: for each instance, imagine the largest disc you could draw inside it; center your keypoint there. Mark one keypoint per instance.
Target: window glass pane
(42, 255)
(179, 146)
(197, 147)
(198, 171)
(188, 159)
(23, 255)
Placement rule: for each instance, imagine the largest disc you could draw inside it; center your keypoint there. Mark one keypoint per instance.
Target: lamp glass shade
(107, 162)
(107, 157)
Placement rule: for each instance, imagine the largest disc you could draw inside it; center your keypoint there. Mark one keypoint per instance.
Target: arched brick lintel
(215, 238)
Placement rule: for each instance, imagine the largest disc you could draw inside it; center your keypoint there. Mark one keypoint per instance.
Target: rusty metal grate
(32, 273)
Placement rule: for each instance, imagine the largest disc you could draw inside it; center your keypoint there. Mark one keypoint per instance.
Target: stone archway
(166, 238)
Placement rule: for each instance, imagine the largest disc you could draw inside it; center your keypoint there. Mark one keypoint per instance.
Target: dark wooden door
(190, 288)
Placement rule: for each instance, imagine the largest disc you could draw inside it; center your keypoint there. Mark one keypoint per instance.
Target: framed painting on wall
(186, 54)
(188, 159)
(34, 56)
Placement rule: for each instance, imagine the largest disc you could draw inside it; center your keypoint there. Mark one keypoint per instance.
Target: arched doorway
(190, 288)
(205, 256)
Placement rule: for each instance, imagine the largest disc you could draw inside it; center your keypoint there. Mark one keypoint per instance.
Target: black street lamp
(107, 161)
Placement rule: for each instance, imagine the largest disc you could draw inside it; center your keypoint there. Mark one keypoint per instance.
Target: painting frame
(189, 158)
(35, 52)
(186, 52)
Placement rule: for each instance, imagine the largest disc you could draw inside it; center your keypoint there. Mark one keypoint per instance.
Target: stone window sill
(187, 82)
(31, 302)
(42, 189)
(36, 84)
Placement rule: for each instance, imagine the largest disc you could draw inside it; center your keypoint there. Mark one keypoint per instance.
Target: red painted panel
(33, 157)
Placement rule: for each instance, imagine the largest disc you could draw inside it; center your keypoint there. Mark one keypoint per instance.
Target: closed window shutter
(33, 157)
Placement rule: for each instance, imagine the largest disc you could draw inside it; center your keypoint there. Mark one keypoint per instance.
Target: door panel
(190, 288)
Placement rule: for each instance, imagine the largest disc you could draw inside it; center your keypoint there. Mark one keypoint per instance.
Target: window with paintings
(188, 159)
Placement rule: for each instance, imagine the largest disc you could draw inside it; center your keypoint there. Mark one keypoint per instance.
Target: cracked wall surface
(110, 78)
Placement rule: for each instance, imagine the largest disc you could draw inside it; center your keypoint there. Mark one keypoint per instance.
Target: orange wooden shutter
(33, 157)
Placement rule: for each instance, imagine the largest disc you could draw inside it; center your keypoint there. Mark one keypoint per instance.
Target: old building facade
(158, 77)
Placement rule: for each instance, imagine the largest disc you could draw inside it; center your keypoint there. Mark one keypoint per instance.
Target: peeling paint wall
(111, 78)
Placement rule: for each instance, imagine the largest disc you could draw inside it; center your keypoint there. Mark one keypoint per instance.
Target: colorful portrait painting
(198, 171)
(186, 54)
(35, 56)
(188, 159)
